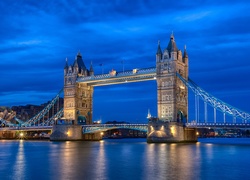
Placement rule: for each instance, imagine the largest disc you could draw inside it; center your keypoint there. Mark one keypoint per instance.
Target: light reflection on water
(19, 165)
(124, 159)
(100, 162)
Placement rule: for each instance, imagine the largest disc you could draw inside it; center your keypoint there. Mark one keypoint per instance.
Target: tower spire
(66, 64)
(159, 52)
(185, 55)
(79, 53)
(172, 45)
(91, 70)
(149, 114)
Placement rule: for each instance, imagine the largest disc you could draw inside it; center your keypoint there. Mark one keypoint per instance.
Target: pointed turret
(159, 52)
(172, 48)
(91, 70)
(76, 67)
(159, 49)
(66, 64)
(66, 67)
(185, 55)
(79, 64)
(172, 45)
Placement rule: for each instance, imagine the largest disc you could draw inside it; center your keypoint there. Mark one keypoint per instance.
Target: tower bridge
(172, 123)
(172, 94)
(79, 83)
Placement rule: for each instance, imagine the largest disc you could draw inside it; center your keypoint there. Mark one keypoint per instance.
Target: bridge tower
(172, 100)
(77, 96)
(172, 96)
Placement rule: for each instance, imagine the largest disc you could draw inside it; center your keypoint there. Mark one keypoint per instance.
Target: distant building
(28, 111)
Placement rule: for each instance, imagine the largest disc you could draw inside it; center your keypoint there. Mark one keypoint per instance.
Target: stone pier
(92, 137)
(170, 132)
(66, 132)
(71, 132)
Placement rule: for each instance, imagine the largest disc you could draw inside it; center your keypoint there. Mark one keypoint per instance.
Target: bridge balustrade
(104, 127)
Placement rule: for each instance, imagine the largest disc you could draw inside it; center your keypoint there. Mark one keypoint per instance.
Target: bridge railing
(215, 102)
(217, 125)
(41, 114)
(118, 74)
(51, 120)
(104, 127)
(26, 128)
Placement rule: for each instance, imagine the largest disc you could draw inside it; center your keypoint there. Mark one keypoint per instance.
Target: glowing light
(172, 129)
(21, 134)
(101, 133)
(68, 133)
(197, 133)
(152, 128)
(135, 71)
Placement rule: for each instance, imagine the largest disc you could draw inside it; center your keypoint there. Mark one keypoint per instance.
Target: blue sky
(37, 36)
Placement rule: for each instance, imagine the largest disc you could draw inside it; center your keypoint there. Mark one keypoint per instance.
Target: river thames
(130, 159)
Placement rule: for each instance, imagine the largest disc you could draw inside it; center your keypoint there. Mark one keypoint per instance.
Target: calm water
(125, 159)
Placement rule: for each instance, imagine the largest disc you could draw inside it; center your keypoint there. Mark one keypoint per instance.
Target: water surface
(225, 158)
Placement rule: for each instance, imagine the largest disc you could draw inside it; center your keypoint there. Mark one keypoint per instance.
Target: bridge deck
(104, 127)
(218, 125)
(141, 127)
(114, 77)
(30, 128)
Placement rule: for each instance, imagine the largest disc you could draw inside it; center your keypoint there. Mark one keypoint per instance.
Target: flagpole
(123, 66)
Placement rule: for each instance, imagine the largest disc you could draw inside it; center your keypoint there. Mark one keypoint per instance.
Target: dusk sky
(37, 36)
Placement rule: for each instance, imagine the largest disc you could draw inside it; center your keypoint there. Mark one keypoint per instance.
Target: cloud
(37, 36)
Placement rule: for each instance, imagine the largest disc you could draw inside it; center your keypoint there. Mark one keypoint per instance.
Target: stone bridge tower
(172, 97)
(172, 100)
(77, 96)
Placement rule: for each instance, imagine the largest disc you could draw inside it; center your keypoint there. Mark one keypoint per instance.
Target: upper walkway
(114, 77)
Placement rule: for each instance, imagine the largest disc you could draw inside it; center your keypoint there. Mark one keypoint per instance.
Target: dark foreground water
(125, 159)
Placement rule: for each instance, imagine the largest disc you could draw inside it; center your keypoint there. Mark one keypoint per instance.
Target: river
(118, 159)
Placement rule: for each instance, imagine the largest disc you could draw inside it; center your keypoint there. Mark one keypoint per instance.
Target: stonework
(77, 96)
(172, 94)
(169, 132)
(172, 98)
(66, 132)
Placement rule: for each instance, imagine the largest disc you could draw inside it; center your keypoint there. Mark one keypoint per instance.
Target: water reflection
(19, 167)
(100, 162)
(122, 159)
(171, 161)
(67, 160)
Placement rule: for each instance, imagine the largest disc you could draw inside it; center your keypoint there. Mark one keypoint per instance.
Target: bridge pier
(72, 132)
(170, 132)
(8, 134)
(92, 137)
(66, 132)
